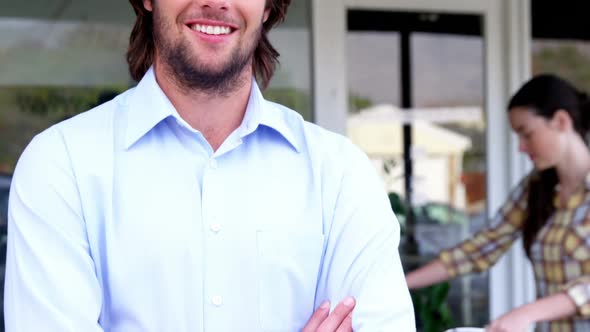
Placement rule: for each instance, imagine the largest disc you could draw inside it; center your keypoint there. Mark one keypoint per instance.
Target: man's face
(206, 44)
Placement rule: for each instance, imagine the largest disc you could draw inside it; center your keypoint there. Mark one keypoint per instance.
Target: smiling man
(190, 203)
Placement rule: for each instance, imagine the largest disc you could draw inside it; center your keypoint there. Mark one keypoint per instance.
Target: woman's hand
(556, 306)
(514, 321)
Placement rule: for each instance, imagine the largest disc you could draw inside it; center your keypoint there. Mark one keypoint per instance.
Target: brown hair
(141, 51)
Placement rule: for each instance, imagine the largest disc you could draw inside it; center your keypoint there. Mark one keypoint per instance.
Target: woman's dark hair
(141, 51)
(544, 95)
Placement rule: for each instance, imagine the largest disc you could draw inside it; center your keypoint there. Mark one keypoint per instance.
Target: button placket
(215, 227)
(213, 163)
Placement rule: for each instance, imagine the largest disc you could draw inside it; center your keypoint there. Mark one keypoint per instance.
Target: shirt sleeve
(483, 250)
(579, 291)
(361, 257)
(50, 282)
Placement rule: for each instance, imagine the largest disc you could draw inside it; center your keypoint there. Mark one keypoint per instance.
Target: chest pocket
(288, 265)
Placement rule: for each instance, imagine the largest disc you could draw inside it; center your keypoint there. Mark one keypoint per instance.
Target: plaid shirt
(560, 254)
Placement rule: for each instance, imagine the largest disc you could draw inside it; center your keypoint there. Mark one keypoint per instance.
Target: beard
(190, 73)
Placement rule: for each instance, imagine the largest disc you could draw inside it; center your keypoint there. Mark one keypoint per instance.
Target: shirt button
(213, 163)
(217, 300)
(215, 227)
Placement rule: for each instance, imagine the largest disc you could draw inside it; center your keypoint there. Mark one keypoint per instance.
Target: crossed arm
(340, 320)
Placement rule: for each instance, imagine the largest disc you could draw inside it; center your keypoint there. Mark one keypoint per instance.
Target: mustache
(212, 16)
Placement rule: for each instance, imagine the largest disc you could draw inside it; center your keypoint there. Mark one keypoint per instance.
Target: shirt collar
(268, 114)
(148, 106)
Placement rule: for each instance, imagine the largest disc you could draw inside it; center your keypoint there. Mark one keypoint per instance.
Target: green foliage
(397, 205)
(26, 111)
(442, 214)
(357, 103)
(433, 314)
(292, 98)
(399, 208)
(565, 60)
(57, 102)
(432, 311)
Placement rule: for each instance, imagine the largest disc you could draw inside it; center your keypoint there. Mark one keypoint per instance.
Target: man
(190, 203)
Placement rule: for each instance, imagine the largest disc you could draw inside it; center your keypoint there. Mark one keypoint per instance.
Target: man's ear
(562, 120)
(147, 4)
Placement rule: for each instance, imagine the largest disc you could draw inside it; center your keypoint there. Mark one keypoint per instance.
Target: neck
(574, 164)
(215, 115)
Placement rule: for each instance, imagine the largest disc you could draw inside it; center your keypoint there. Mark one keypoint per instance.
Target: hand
(513, 321)
(340, 320)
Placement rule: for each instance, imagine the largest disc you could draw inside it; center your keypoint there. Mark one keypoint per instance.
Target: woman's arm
(483, 249)
(432, 273)
(548, 308)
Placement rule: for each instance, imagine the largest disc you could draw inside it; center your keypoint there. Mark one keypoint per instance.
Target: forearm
(549, 308)
(432, 273)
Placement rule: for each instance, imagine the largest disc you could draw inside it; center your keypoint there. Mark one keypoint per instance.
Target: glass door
(416, 107)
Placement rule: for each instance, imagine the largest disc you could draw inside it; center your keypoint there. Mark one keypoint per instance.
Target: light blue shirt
(124, 219)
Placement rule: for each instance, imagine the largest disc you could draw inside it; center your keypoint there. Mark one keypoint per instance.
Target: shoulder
(96, 121)
(79, 138)
(316, 140)
(92, 132)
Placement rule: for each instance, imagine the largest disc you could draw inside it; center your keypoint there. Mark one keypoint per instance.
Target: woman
(550, 209)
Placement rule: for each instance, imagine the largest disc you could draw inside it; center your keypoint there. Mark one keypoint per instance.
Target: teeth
(211, 29)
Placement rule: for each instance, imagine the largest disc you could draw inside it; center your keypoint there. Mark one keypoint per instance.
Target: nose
(215, 4)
